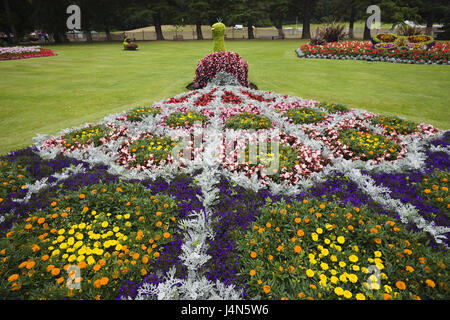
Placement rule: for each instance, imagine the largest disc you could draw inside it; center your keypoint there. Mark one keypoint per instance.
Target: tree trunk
(60, 37)
(108, 34)
(88, 35)
(158, 30)
(306, 33)
(351, 27)
(279, 26)
(250, 30)
(198, 28)
(429, 29)
(367, 34)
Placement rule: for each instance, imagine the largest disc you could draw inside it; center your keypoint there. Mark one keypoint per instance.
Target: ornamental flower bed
(389, 52)
(15, 53)
(295, 209)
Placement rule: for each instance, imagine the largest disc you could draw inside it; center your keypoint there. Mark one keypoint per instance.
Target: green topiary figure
(218, 32)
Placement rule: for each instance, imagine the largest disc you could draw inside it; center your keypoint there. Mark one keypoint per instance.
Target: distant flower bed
(383, 51)
(15, 53)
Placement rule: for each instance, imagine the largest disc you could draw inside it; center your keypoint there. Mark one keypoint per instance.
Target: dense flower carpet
(393, 52)
(226, 192)
(15, 53)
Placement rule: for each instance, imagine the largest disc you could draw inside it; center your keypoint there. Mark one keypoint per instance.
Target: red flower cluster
(439, 52)
(180, 99)
(257, 97)
(231, 98)
(205, 99)
(225, 61)
(26, 55)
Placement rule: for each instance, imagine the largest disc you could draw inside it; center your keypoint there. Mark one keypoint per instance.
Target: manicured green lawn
(84, 83)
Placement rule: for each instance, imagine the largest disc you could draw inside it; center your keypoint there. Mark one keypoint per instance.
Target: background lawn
(84, 83)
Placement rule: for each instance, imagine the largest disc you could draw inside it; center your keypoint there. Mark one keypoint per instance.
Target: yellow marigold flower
(347, 294)
(310, 273)
(339, 291)
(360, 296)
(340, 239)
(353, 258)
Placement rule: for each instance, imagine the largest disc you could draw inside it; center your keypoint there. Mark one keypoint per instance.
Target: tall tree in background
(431, 11)
(198, 11)
(308, 6)
(249, 11)
(277, 11)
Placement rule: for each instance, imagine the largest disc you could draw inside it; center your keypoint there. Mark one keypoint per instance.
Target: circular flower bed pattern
(228, 192)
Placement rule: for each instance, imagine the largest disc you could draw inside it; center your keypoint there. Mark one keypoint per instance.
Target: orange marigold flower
(97, 283)
(407, 251)
(253, 254)
(400, 285)
(53, 204)
(35, 248)
(252, 272)
(30, 264)
(82, 196)
(96, 267)
(45, 258)
(41, 220)
(422, 260)
(104, 281)
(300, 233)
(82, 265)
(266, 288)
(298, 249)
(322, 206)
(270, 257)
(387, 296)
(430, 283)
(28, 226)
(56, 271)
(13, 277)
(409, 269)
(156, 254)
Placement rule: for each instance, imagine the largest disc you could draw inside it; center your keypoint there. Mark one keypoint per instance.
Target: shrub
(332, 32)
(407, 30)
(226, 61)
